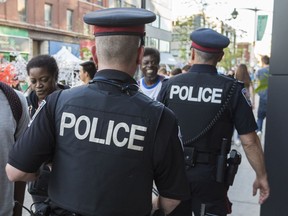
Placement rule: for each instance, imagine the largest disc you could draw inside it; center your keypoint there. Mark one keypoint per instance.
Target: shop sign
(10, 43)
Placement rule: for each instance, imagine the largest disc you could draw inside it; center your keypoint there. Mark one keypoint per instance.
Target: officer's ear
(140, 53)
(93, 51)
(192, 58)
(220, 56)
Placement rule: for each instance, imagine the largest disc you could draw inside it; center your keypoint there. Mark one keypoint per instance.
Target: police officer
(197, 99)
(107, 141)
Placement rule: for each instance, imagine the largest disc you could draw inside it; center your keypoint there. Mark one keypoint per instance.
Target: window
(22, 10)
(152, 42)
(165, 24)
(69, 19)
(156, 22)
(86, 29)
(164, 46)
(48, 15)
(100, 2)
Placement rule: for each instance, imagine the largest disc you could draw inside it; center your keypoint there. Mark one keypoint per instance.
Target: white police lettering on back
(211, 95)
(68, 120)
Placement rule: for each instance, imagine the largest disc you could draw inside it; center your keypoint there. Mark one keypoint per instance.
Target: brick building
(33, 27)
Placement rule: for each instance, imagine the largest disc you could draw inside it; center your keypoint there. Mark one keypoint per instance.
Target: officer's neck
(130, 70)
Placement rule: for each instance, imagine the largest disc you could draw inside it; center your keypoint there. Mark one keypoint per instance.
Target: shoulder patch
(42, 104)
(239, 81)
(246, 95)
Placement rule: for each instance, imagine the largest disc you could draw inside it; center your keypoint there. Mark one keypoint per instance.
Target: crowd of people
(104, 147)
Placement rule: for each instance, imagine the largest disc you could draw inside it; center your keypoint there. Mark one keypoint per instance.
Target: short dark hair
(265, 59)
(89, 67)
(176, 71)
(186, 67)
(44, 61)
(153, 52)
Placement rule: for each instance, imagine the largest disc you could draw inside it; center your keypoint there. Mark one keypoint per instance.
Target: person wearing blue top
(262, 74)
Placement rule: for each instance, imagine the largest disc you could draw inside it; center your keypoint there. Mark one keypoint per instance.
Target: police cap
(208, 40)
(119, 21)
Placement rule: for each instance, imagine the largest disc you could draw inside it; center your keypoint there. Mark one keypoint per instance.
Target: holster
(44, 209)
(190, 156)
(193, 157)
(39, 187)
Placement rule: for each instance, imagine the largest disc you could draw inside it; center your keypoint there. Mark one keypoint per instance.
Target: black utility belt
(192, 157)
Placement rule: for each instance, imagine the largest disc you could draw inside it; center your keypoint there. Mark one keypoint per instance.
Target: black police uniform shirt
(107, 147)
(196, 97)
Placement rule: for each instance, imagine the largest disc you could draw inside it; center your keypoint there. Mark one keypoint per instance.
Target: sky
(245, 21)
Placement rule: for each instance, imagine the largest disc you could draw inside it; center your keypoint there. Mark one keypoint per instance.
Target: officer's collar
(203, 68)
(115, 75)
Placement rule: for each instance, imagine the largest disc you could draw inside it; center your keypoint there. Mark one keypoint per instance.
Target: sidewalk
(240, 193)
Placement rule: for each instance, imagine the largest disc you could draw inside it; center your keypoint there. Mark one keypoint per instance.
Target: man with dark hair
(262, 75)
(208, 106)
(87, 71)
(150, 84)
(108, 141)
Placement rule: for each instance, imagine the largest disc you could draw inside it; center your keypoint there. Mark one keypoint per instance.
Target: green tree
(263, 84)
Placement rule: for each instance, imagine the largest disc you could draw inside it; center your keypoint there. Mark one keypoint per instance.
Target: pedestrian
(43, 73)
(243, 75)
(186, 68)
(163, 72)
(151, 82)
(107, 140)
(87, 71)
(262, 76)
(231, 73)
(208, 105)
(14, 119)
(175, 72)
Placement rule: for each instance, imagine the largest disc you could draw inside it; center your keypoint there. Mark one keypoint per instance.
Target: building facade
(32, 27)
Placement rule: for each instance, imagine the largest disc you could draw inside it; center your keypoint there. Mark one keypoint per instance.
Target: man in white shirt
(151, 83)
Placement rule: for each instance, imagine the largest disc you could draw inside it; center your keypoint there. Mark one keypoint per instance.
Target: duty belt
(192, 157)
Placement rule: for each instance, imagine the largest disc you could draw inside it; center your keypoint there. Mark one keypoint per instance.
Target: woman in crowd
(243, 75)
(43, 75)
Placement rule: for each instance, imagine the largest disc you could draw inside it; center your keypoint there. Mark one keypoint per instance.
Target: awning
(167, 59)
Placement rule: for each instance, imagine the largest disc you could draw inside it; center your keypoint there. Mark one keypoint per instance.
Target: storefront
(85, 48)
(13, 41)
(55, 46)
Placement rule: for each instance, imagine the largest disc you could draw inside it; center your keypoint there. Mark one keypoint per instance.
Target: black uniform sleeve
(170, 176)
(244, 117)
(162, 92)
(36, 145)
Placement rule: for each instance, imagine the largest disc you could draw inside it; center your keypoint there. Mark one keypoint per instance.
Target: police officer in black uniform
(107, 140)
(197, 98)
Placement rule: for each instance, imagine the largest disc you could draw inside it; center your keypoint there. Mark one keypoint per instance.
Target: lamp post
(143, 4)
(234, 15)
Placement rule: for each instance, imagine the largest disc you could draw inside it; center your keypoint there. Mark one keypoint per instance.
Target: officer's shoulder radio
(123, 87)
